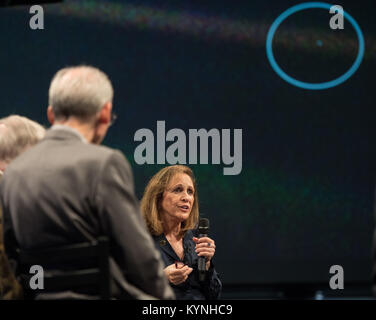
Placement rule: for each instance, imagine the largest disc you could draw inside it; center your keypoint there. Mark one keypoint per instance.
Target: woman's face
(178, 198)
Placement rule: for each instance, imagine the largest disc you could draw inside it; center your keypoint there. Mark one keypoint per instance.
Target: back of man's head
(16, 135)
(79, 92)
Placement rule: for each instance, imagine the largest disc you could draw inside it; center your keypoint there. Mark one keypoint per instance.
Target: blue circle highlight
(308, 85)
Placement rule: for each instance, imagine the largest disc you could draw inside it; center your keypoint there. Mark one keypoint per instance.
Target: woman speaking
(170, 209)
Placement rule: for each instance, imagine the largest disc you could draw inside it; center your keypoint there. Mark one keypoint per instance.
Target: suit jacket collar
(60, 132)
(162, 242)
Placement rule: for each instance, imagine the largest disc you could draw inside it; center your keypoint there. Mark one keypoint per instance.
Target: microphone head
(203, 226)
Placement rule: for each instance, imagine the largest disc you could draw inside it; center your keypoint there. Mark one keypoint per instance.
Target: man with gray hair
(68, 190)
(17, 134)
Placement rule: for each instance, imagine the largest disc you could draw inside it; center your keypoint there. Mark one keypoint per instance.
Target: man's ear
(105, 113)
(50, 115)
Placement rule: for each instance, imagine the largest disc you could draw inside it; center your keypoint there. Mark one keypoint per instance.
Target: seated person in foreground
(69, 189)
(17, 134)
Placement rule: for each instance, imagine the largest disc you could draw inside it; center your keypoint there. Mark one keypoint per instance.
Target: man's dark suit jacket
(64, 191)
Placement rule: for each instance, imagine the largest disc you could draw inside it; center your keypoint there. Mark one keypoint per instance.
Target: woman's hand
(205, 247)
(177, 275)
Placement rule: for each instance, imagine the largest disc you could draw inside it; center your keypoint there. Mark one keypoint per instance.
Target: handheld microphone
(203, 230)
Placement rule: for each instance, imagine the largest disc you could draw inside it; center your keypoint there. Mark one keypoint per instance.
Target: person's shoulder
(99, 149)
(156, 237)
(103, 153)
(104, 159)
